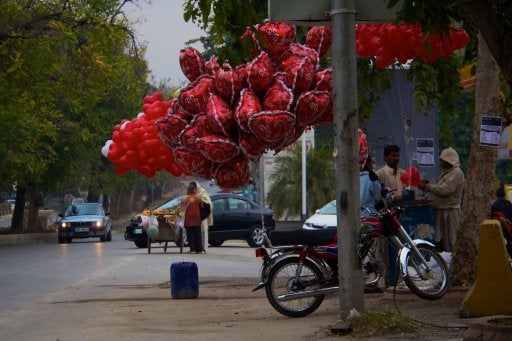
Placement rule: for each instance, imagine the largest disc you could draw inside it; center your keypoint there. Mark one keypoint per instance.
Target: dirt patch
(228, 309)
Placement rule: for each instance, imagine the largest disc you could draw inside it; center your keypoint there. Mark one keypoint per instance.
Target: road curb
(28, 238)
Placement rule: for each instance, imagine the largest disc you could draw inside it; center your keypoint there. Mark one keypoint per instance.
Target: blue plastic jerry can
(184, 280)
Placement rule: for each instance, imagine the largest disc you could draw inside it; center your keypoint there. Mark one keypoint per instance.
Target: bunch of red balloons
(411, 177)
(229, 116)
(136, 144)
(388, 43)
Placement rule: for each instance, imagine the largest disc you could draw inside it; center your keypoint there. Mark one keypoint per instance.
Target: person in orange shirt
(191, 205)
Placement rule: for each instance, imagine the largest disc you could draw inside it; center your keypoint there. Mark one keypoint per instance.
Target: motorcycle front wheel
(289, 276)
(430, 285)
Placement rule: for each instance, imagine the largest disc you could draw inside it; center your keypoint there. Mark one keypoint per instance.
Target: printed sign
(490, 131)
(425, 152)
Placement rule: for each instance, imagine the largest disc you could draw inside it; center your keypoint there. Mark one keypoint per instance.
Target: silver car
(86, 220)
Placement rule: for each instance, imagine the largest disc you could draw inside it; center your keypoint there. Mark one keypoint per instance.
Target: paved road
(35, 276)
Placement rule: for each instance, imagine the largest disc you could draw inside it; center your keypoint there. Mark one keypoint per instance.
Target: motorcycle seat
(303, 237)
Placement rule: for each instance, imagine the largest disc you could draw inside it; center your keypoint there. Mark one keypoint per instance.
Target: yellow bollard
(492, 292)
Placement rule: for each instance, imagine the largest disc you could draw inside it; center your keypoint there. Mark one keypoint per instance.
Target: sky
(165, 31)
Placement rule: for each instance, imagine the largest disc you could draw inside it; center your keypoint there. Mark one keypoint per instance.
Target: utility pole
(346, 154)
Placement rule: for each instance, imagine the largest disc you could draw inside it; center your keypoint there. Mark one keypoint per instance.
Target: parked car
(323, 218)
(234, 217)
(86, 220)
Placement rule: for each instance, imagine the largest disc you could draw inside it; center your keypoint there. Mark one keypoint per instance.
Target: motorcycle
(297, 276)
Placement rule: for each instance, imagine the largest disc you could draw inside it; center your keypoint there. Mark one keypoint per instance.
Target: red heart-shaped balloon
(300, 76)
(170, 128)
(259, 73)
(279, 76)
(178, 110)
(212, 66)
(324, 80)
(310, 106)
(271, 126)
(220, 116)
(195, 163)
(278, 97)
(277, 37)
(193, 131)
(251, 145)
(289, 61)
(195, 96)
(241, 70)
(247, 106)
(217, 148)
(192, 63)
(319, 38)
(327, 117)
(304, 51)
(228, 84)
(234, 173)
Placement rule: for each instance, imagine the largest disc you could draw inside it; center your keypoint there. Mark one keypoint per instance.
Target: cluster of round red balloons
(388, 43)
(229, 116)
(136, 144)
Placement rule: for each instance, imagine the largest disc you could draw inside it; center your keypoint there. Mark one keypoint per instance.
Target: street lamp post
(346, 154)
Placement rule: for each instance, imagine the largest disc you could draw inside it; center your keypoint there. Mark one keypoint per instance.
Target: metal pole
(346, 154)
(304, 184)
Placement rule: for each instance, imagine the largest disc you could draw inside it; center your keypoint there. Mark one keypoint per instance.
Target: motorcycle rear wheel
(281, 279)
(432, 285)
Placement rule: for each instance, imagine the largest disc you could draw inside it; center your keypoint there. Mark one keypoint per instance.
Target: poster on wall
(425, 152)
(490, 131)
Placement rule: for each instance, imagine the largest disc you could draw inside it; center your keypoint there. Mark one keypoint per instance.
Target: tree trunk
(19, 210)
(481, 178)
(494, 27)
(33, 223)
(36, 199)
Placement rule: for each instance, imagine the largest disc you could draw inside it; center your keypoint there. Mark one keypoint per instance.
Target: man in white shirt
(389, 175)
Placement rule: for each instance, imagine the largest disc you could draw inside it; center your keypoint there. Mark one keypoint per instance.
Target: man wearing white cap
(446, 196)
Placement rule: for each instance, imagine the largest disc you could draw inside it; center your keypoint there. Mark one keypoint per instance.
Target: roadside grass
(383, 322)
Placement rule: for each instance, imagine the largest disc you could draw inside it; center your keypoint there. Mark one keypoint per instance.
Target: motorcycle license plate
(137, 231)
(82, 229)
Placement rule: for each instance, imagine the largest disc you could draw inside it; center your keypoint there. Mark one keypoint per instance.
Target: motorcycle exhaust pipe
(308, 293)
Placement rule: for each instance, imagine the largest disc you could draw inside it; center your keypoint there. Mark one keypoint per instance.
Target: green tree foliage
(70, 71)
(285, 195)
(225, 21)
